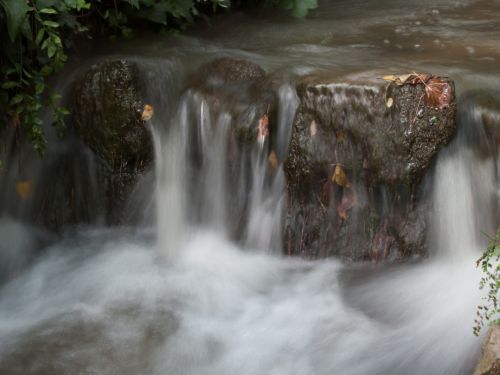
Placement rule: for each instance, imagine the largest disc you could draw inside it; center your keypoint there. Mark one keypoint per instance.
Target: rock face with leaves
(355, 164)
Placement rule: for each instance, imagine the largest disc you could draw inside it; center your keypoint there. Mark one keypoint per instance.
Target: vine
(490, 265)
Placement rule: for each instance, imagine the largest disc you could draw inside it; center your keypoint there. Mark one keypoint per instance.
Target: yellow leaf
(23, 189)
(398, 80)
(389, 102)
(147, 112)
(339, 177)
(273, 160)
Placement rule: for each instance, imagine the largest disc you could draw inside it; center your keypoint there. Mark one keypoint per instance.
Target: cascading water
(200, 293)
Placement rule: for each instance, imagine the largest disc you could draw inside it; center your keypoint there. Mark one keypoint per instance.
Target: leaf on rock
(263, 129)
(398, 80)
(340, 136)
(339, 177)
(347, 202)
(147, 112)
(438, 92)
(272, 160)
(23, 189)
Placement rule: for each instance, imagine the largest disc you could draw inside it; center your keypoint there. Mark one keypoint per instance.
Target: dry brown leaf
(263, 129)
(398, 80)
(438, 93)
(313, 128)
(23, 189)
(340, 136)
(347, 202)
(273, 160)
(147, 112)
(339, 177)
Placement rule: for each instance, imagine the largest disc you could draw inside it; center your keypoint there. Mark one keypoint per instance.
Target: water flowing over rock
(383, 138)
(107, 118)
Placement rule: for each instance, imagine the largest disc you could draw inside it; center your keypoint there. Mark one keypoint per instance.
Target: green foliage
(37, 33)
(490, 265)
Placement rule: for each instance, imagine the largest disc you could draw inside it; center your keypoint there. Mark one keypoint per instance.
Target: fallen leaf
(313, 128)
(340, 136)
(389, 102)
(438, 93)
(339, 177)
(347, 202)
(273, 160)
(23, 189)
(263, 129)
(147, 112)
(398, 80)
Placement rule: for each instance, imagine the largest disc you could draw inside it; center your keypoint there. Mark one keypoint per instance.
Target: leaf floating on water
(313, 128)
(263, 129)
(438, 93)
(273, 160)
(339, 177)
(347, 202)
(23, 189)
(147, 112)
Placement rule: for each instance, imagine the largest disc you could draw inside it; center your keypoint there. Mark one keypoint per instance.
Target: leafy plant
(37, 33)
(490, 265)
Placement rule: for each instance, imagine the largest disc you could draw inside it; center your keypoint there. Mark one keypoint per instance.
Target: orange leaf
(339, 177)
(147, 112)
(23, 189)
(273, 160)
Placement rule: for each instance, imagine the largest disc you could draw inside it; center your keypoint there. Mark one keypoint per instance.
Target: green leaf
(16, 99)
(10, 84)
(48, 11)
(46, 70)
(39, 36)
(16, 11)
(51, 50)
(77, 4)
(51, 24)
(39, 88)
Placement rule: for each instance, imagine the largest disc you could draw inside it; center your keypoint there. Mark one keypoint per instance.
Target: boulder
(107, 118)
(357, 155)
(489, 362)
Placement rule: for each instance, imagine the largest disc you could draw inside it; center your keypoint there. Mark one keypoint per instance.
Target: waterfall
(465, 188)
(208, 180)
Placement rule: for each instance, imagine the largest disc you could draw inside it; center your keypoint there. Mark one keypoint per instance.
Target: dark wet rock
(227, 70)
(489, 362)
(107, 118)
(384, 152)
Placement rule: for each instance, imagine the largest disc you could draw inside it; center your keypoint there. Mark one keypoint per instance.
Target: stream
(178, 294)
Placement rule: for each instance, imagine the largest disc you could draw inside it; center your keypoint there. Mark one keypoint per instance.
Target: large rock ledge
(357, 155)
(358, 152)
(489, 362)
